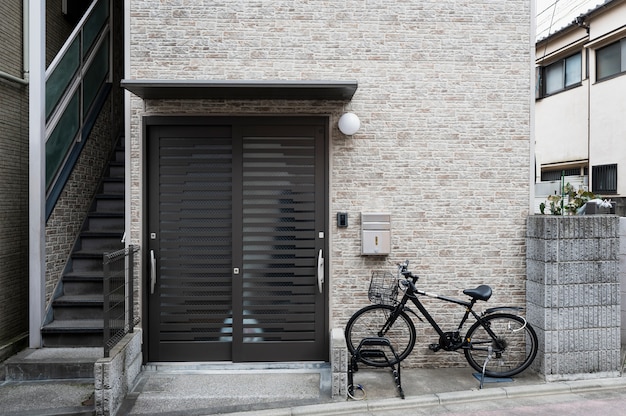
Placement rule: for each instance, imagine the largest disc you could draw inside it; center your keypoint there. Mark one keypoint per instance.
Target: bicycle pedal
(434, 347)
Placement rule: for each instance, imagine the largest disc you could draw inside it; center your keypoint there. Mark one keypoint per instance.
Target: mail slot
(375, 234)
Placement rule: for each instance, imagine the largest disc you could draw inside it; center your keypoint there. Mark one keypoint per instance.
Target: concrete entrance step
(52, 364)
(200, 389)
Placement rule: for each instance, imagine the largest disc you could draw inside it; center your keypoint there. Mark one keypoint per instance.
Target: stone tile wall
(444, 100)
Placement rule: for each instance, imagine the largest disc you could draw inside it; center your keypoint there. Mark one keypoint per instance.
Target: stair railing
(118, 290)
(77, 81)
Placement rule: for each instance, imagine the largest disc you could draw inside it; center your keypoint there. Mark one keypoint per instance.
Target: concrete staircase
(76, 316)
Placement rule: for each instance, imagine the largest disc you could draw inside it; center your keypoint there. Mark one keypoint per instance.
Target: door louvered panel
(279, 238)
(239, 213)
(194, 266)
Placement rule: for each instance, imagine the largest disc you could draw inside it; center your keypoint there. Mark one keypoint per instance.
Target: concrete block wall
(115, 376)
(444, 100)
(573, 294)
(339, 363)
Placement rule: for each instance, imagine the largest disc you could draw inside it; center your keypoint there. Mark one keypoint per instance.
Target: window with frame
(555, 175)
(611, 60)
(561, 75)
(604, 179)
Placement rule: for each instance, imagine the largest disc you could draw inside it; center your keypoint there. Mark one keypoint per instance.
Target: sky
(553, 15)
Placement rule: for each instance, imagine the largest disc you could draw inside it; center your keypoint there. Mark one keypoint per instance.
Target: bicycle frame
(412, 294)
(497, 332)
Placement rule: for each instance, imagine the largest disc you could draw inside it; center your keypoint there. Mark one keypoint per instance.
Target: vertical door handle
(320, 271)
(152, 271)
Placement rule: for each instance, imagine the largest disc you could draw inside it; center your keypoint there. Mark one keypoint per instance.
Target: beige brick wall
(444, 100)
(13, 179)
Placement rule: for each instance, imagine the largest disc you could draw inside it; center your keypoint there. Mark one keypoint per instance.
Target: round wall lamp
(349, 124)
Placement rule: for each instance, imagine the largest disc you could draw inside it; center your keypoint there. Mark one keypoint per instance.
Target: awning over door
(241, 90)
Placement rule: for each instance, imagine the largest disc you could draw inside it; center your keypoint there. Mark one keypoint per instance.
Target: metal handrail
(118, 291)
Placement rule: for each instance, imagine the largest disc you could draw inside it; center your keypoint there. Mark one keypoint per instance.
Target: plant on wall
(576, 199)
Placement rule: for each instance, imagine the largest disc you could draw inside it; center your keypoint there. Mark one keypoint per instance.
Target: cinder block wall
(444, 99)
(13, 183)
(573, 294)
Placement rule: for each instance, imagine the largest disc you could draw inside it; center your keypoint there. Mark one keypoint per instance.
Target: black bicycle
(501, 343)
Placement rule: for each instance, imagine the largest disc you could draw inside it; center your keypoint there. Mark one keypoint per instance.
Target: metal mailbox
(375, 234)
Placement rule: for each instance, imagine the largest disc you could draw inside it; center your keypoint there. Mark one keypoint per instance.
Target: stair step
(75, 325)
(113, 186)
(84, 276)
(52, 364)
(69, 334)
(119, 154)
(109, 203)
(116, 169)
(83, 282)
(87, 260)
(109, 221)
(78, 312)
(79, 300)
(103, 241)
(78, 307)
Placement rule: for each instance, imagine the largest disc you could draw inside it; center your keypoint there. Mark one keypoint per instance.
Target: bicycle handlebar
(404, 270)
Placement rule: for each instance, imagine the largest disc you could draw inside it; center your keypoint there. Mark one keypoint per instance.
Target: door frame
(190, 120)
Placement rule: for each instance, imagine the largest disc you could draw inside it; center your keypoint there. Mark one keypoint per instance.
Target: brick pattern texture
(13, 179)
(444, 100)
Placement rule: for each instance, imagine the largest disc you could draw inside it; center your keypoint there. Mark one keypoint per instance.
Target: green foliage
(575, 200)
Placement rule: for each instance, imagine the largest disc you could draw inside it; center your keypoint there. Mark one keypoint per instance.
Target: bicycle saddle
(482, 292)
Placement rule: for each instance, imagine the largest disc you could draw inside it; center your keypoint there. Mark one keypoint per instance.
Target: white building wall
(444, 102)
(608, 128)
(561, 126)
(587, 121)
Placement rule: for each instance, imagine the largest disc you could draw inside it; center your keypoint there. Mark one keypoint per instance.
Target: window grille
(604, 179)
(555, 175)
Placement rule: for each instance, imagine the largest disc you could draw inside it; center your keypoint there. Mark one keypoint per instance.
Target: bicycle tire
(513, 350)
(369, 322)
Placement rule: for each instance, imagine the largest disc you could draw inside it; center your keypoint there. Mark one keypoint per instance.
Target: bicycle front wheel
(375, 321)
(513, 344)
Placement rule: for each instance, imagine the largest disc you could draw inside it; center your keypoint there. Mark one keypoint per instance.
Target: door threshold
(230, 367)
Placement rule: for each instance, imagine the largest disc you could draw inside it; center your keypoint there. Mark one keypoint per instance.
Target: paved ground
(204, 390)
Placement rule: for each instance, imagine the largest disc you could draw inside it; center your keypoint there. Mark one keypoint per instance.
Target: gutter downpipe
(25, 49)
(36, 170)
(127, 128)
(26, 40)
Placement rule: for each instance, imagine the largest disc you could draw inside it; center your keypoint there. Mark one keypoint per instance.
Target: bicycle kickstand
(487, 359)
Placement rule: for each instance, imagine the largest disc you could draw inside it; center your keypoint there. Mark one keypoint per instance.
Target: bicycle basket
(383, 288)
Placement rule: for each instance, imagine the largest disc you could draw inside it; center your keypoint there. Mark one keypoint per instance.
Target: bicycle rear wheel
(370, 322)
(513, 349)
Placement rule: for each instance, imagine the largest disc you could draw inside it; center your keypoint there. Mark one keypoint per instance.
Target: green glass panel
(62, 138)
(61, 77)
(95, 75)
(94, 24)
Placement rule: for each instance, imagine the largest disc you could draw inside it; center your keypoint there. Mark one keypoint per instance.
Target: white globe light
(349, 124)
